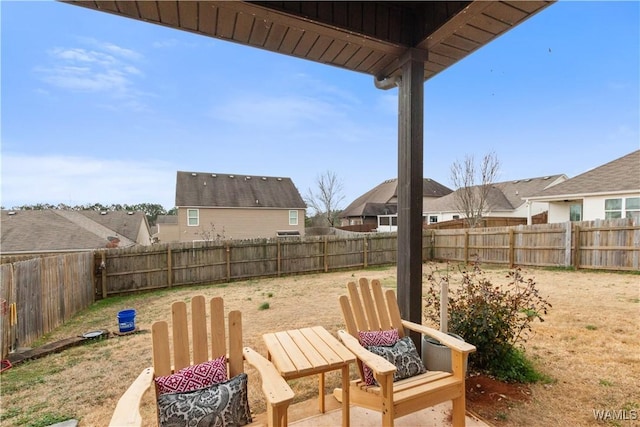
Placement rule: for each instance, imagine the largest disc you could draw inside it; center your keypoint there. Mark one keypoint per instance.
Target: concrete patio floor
(306, 414)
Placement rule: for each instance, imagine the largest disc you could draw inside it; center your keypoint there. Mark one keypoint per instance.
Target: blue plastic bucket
(127, 320)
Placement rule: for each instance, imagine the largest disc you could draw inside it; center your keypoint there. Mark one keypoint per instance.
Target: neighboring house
(505, 199)
(215, 206)
(53, 230)
(166, 229)
(606, 192)
(378, 207)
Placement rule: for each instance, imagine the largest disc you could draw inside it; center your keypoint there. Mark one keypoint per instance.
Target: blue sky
(101, 109)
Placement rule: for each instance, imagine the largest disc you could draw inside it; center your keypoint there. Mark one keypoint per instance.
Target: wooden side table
(309, 351)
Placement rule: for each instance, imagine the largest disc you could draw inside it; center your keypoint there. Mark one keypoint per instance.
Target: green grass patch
(514, 366)
(605, 383)
(44, 419)
(591, 327)
(264, 306)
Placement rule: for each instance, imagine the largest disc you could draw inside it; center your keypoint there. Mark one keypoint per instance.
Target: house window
(193, 217)
(632, 208)
(456, 217)
(384, 220)
(433, 219)
(293, 217)
(394, 220)
(575, 212)
(612, 208)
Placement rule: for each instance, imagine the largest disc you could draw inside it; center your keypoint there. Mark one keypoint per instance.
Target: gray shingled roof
(619, 175)
(375, 201)
(200, 189)
(504, 196)
(51, 230)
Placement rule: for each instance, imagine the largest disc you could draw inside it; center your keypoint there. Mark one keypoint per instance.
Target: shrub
(495, 318)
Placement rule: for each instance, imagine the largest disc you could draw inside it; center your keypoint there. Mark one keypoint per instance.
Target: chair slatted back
(368, 308)
(197, 345)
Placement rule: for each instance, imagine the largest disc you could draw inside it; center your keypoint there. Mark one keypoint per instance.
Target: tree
(327, 198)
(471, 199)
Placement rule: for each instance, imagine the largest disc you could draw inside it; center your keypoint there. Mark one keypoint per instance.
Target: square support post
(410, 181)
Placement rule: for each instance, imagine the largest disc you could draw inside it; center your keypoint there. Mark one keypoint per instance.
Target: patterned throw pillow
(376, 338)
(404, 355)
(194, 377)
(224, 404)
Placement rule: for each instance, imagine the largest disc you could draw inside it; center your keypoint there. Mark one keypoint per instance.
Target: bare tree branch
(326, 200)
(471, 199)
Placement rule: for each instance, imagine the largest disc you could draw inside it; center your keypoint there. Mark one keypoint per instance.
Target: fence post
(511, 248)
(466, 247)
(576, 247)
(326, 255)
(279, 258)
(103, 271)
(169, 267)
(364, 252)
(228, 263)
(568, 262)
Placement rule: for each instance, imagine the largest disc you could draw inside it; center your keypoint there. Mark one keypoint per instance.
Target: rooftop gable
(56, 230)
(198, 189)
(619, 175)
(504, 196)
(383, 194)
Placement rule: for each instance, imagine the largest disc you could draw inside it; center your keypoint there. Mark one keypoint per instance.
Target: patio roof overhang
(399, 43)
(369, 37)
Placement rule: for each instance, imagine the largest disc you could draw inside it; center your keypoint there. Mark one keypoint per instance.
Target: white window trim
(197, 218)
(290, 218)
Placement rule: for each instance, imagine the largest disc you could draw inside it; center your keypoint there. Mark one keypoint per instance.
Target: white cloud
(103, 68)
(77, 180)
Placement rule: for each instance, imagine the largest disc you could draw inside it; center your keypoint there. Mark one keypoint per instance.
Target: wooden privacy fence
(600, 245)
(40, 294)
(179, 264)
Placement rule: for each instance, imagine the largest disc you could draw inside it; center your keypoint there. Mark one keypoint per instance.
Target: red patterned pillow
(194, 377)
(376, 338)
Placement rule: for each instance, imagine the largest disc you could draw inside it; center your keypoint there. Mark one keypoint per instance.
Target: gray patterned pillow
(404, 355)
(223, 404)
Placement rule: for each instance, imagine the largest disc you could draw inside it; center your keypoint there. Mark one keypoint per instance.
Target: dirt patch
(491, 399)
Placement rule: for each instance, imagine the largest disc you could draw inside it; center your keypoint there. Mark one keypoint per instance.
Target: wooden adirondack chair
(277, 392)
(371, 310)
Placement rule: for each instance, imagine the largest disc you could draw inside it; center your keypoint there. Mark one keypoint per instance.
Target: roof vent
(130, 213)
(103, 212)
(248, 177)
(213, 175)
(11, 213)
(231, 176)
(527, 180)
(264, 178)
(279, 179)
(546, 177)
(257, 202)
(516, 181)
(194, 174)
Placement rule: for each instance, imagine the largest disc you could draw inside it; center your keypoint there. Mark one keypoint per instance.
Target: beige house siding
(237, 223)
(167, 233)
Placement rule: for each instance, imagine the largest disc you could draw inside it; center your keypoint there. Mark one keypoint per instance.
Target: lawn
(588, 348)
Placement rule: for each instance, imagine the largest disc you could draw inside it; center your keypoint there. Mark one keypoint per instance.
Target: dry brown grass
(588, 345)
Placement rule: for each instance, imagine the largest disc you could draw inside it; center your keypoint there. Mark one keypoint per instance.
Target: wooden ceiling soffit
(367, 37)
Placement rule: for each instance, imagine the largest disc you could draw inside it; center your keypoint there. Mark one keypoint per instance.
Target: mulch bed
(491, 399)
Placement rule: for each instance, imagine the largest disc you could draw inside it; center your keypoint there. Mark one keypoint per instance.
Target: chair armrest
(447, 340)
(127, 412)
(275, 388)
(378, 364)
